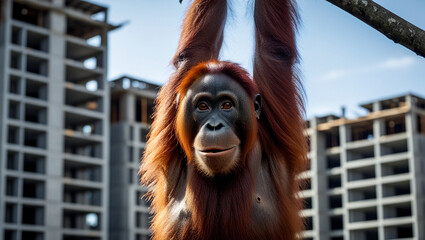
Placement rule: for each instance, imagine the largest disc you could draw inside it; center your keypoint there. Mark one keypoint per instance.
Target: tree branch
(386, 22)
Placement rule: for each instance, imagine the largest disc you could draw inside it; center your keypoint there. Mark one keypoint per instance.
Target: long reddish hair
(280, 127)
(200, 40)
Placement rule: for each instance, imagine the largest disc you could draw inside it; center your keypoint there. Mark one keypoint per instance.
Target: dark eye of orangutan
(226, 105)
(202, 106)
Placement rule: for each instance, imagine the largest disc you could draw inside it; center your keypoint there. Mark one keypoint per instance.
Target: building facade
(54, 129)
(366, 179)
(132, 103)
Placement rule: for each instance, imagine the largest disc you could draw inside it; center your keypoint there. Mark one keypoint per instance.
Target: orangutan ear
(258, 105)
(178, 100)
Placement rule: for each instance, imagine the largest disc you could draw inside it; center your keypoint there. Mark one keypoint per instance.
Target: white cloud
(388, 64)
(397, 63)
(335, 74)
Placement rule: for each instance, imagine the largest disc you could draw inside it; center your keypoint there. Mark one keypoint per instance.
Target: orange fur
(282, 126)
(165, 165)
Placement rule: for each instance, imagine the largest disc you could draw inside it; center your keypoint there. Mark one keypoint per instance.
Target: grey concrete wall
(119, 192)
(4, 62)
(126, 147)
(351, 170)
(2, 111)
(54, 128)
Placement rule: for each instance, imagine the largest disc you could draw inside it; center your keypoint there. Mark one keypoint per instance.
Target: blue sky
(344, 62)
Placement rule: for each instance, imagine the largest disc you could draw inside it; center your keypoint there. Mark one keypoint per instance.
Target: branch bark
(386, 22)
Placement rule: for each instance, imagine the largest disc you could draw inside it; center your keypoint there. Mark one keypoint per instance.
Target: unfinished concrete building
(366, 179)
(54, 130)
(132, 103)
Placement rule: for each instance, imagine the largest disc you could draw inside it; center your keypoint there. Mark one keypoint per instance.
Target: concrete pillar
(343, 152)
(376, 106)
(416, 183)
(58, 2)
(318, 181)
(377, 132)
(55, 145)
(127, 108)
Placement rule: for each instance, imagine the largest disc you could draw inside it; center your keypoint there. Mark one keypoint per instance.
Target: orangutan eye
(202, 106)
(226, 105)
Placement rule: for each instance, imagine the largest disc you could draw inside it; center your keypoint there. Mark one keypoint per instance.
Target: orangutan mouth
(216, 150)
